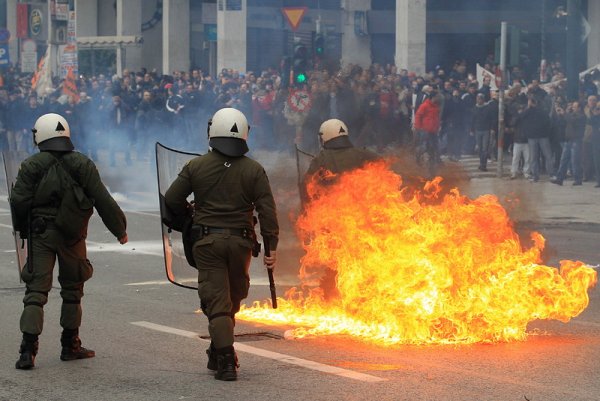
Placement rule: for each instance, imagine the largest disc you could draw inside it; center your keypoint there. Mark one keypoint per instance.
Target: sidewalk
(540, 202)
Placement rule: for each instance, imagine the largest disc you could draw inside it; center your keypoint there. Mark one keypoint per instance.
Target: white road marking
(170, 330)
(269, 354)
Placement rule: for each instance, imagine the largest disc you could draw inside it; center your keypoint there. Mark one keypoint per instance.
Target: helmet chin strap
(33, 132)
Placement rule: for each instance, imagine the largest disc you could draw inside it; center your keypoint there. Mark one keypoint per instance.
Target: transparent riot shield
(12, 161)
(303, 160)
(169, 163)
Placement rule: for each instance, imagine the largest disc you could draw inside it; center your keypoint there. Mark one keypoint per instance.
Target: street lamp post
(573, 48)
(503, 28)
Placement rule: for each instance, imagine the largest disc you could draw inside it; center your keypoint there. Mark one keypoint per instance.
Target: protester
(575, 121)
(378, 103)
(427, 124)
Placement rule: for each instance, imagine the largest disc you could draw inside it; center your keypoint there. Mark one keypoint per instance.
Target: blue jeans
(535, 145)
(571, 154)
(429, 143)
(482, 139)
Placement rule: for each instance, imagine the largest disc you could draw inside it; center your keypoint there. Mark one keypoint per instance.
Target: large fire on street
(419, 267)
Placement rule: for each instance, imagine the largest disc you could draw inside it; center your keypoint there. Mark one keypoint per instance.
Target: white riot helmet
(228, 132)
(332, 129)
(51, 132)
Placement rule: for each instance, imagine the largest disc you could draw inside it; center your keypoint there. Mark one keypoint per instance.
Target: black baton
(271, 279)
(29, 245)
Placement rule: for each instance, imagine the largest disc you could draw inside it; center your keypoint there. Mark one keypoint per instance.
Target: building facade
(168, 35)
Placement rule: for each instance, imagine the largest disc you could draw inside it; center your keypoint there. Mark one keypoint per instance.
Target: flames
(419, 267)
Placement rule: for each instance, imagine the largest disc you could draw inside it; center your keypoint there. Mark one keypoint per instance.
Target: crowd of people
(440, 113)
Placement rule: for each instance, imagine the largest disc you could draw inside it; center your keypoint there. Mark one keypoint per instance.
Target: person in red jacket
(427, 125)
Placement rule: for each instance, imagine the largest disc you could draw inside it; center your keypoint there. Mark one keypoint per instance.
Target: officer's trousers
(74, 270)
(223, 282)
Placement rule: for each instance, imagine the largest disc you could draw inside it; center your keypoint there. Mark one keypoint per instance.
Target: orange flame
(419, 268)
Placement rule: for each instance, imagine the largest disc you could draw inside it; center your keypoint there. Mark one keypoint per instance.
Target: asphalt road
(149, 337)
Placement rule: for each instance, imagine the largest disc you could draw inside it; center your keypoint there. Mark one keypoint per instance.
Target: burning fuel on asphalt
(419, 267)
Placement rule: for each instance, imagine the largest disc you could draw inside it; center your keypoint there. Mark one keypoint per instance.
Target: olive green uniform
(226, 191)
(47, 246)
(337, 156)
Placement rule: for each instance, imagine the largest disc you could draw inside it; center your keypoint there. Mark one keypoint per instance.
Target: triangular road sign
(294, 15)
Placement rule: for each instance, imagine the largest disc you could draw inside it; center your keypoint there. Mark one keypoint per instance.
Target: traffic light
(514, 39)
(524, 47)
(520, 49)
(300, 64)
(319, 45)
(285, 69)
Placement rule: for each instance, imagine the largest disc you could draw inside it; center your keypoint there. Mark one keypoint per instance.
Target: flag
(582, 74)
(41, 81)
(482, 72)
(70, 85)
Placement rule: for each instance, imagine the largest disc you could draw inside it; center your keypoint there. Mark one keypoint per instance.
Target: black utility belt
(40, 224)
(239, 232)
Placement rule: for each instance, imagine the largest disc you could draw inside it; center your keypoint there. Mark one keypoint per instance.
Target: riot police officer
(36, 199)
(227, 188)
(338, 155)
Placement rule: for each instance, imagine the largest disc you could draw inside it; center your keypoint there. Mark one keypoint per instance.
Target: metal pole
(543, 33)
(573, 48)
(543, 64)
(501, 99)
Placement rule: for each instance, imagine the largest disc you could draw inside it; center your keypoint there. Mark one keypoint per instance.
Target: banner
(70, 86)
(582, 74)
(29, 55)
(41, 81)
(22, 21)
(68, 53)
(38, 21)
(481, 73)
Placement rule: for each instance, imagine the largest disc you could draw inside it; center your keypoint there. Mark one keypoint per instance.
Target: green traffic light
(300, 78)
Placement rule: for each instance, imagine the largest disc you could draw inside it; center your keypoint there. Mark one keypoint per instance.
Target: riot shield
(303, 160)
(169, 163)
(12, 161)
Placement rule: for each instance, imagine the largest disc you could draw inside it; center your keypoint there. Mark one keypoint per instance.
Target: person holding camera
(571, 145)
(535, 122)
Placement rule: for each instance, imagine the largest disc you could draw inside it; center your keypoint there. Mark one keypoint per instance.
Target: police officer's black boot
(28, 351)
(71, 346)
(227, 364)
(212, 357)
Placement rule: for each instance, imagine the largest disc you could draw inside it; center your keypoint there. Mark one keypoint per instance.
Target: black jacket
(534, 122)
